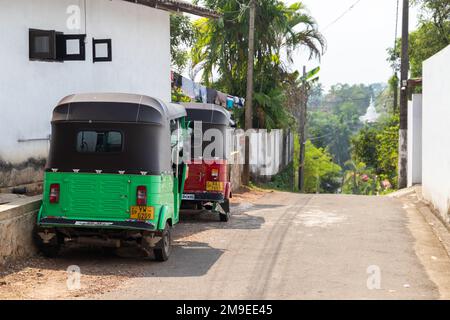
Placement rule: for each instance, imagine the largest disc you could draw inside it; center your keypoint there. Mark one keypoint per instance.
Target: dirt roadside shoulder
(432, 239)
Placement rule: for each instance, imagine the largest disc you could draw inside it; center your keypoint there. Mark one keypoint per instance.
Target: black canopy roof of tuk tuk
(208, 113)
(116, 107)
(144, 124)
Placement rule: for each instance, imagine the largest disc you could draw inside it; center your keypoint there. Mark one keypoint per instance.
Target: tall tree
(432, 35)
(181, 38)
(222, 48)
(438, 13)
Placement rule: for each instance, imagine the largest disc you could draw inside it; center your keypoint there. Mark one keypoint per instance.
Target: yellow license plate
(142, 213)
(214, 186)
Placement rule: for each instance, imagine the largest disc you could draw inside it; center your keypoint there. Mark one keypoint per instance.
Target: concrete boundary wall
(17, 220)
(270, 153)
(415, 140)
(436, 132)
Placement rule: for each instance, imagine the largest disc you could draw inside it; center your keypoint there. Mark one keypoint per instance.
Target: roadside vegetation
(343, 153)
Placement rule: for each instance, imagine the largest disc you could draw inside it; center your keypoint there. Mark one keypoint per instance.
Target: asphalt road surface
(292, 246)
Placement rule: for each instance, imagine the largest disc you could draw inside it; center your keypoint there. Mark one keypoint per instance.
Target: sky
(357, 43)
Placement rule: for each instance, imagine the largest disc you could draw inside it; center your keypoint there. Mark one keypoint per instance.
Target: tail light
(54, 193)
(215, 173)
(141, 196)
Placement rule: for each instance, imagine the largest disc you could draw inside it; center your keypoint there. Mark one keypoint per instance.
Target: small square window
(74, 47)
(42, 44)
(102, 50)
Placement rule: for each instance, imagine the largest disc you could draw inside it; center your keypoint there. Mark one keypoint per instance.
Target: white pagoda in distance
(371, 115)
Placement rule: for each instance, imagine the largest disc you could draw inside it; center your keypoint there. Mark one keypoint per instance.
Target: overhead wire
(342, 15)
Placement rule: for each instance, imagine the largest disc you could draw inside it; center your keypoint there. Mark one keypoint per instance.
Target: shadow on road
(189, 259)
(193, 222)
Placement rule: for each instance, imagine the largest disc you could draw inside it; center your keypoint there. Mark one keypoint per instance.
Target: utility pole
(303, 110)
(249, 96)
(396, 94)
(403, 133)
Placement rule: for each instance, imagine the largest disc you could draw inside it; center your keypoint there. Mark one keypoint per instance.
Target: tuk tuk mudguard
(162, 218)
(39, 214)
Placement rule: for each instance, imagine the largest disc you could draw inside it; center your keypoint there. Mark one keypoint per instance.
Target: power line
(396, 24)
(342, 15)
(395, 35)
(333, 133)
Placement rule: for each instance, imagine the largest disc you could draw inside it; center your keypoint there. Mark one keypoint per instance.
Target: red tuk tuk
(208, 186)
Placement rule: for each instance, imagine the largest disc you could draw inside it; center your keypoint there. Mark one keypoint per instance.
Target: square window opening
(102, 50)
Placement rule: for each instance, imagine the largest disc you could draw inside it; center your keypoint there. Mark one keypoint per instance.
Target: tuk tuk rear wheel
(50, 251)
(224, 214)
(164, 246)
(224, 217)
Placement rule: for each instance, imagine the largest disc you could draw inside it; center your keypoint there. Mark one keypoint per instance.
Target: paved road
(291, 246)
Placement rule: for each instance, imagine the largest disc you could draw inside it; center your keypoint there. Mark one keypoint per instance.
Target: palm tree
(353, 174)
(222, 48)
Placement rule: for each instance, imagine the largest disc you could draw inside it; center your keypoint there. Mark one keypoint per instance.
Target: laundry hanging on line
(200, 93)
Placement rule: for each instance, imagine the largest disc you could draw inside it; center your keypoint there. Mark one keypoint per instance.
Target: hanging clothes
(211, 95)
(241, 103)
(203, 94)
(230, 102)
(177, 80)
(221, 99)
(197, 94)
(188, 87)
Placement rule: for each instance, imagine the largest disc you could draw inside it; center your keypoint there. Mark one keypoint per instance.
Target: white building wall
(436, 132)
(415, 140)
(29, 90)
(266, 153)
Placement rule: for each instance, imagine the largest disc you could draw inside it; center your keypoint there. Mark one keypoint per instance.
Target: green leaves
(271, 104)
(181, 36)
(222, 46)
(377, 146)
(431, 36)
(310, 75)
(320, 170)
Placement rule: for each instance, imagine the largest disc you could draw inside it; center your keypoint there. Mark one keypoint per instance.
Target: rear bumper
(203, 196)
(124, 225)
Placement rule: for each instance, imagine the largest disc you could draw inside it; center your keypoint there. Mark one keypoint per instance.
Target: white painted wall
(436, 131)
(266, 152)
(29, 90)
(415, 140)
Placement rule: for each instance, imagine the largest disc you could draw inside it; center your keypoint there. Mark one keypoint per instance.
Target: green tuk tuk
(112, 177)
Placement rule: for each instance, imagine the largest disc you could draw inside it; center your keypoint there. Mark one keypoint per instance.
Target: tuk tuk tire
(226, 205)
(224, 213)
(164, 247)
(224, 217)
(50, 251)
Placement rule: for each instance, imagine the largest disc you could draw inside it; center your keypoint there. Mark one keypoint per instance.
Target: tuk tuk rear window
(99, 141)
